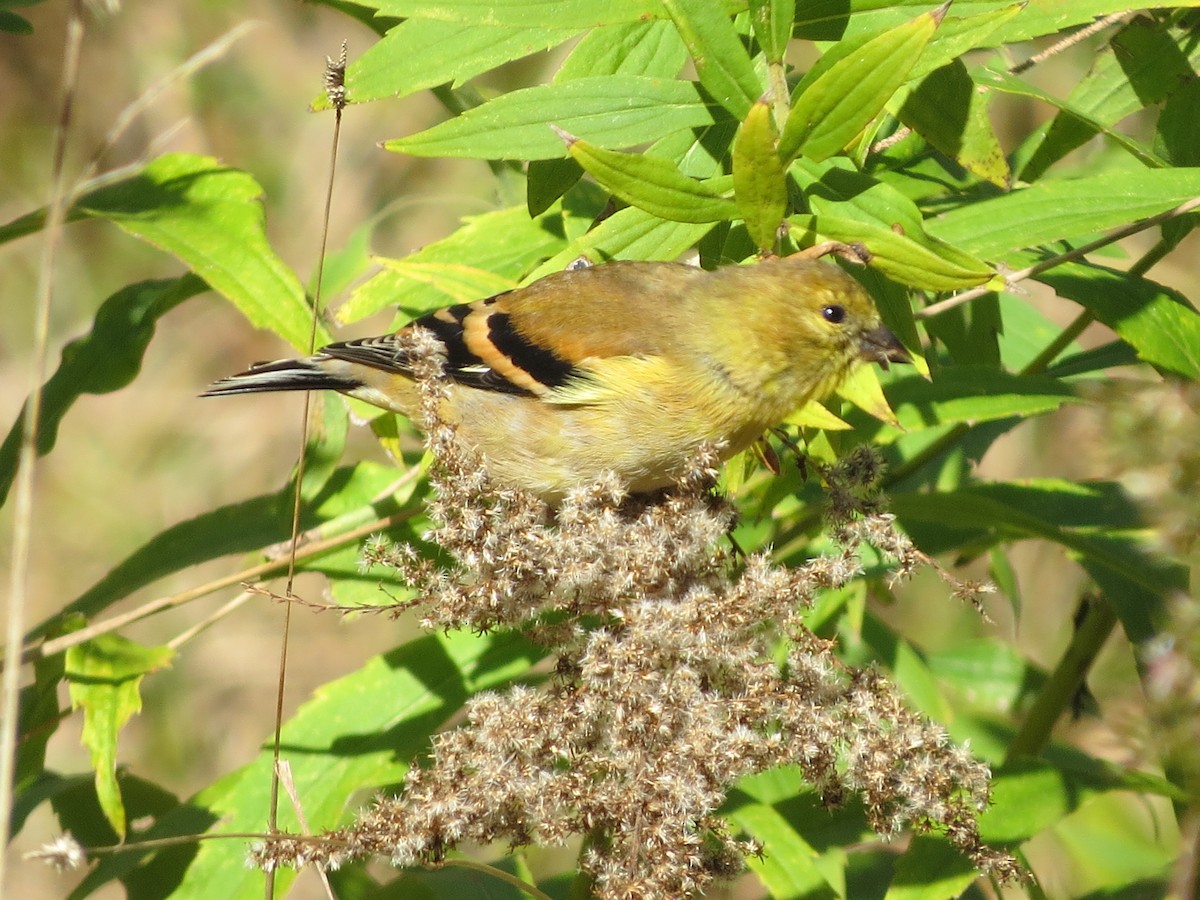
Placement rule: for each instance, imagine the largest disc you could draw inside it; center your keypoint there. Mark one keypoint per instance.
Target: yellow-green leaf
(461, 283)
(851, 85)
(863, 389)
(948, 111)
(653, 184)
(717, 52)
(814, 415)
(104, 677)
(759, 180)
(930, 265)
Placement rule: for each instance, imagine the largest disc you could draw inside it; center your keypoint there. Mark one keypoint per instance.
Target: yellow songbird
(627, 366)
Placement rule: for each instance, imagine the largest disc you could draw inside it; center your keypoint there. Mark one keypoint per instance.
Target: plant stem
(1093, 630)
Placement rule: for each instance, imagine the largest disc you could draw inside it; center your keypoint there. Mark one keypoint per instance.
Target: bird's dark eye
(834, 314)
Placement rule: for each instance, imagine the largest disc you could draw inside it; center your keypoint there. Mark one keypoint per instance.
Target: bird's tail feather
(283, 375)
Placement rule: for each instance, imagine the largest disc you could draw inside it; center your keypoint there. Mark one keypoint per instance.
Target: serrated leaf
(354, 734)
(505, 242)
(211, 218)
(759, 179)
(947, 110)
(652, 49)
(1057, 209)
(862, 388)
(849, 86)
(104, 677)
(1159, 323)
(611, 111)
(423, 53)
(106, 359)
(652, 184)
(717, 52)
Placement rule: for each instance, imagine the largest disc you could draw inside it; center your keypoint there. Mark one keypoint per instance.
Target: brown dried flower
(667, 690)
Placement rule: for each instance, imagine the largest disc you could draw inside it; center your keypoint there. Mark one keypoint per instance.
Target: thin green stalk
(1099, 620)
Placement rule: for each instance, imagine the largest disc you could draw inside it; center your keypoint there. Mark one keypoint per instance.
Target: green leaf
(611, 111)
(1058, 209)
(547, 180)
(239, 528)
(986, 673)
(1088, 520)
(505, 242)
(104, 360)
(931, 869)
(896, 255)
(653, 49)
(459, 283)
(974, 394)
(38, 718)
(717, 52)
(542, 13)
(957, 35)
(1158, 322)
(1139, 67)
(759, 180)
(1177, 135)
(952, 115)
(211, 218)
(423, 53)
(772, 24)
(788, 865)
(355, 734)
(862, 388)
(652, 184)
(850, 85)
(850, 206)
(1029, 796)
(1177, 140)
(628, 234)
(104, 677)
(1038, 19)
(14, 24)
(1010, 84)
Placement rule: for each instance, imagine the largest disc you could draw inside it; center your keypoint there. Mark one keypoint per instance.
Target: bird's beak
(881, 346)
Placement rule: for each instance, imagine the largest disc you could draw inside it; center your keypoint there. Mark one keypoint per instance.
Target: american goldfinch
(628, 366)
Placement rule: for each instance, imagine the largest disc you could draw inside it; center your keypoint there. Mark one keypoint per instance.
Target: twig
(24, 501)
(1069, 41)
(1079, 252)
(335, 88)
(266, 569)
